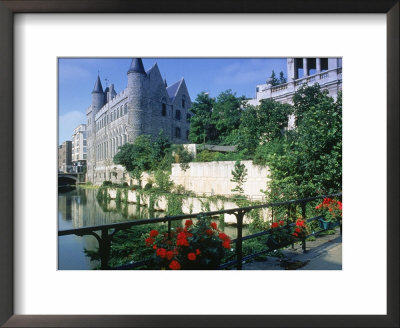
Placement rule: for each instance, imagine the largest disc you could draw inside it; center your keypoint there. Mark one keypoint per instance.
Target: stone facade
(79, 148)
(64, 156)
(327, 72)
(145, 106)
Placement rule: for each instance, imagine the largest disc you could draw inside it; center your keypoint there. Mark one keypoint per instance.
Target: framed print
(37, 36)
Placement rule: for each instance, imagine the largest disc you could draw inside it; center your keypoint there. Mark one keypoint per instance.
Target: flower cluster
(280, 233)
(300, 230)
(330, 208)
(197, 245)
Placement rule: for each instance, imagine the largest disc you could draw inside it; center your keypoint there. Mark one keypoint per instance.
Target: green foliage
(282, 78)
(262, 124)
(182, 156)
(206, 156)
(136, 157)
(239, 174)
(226, 114)
(161, 147)
(308, 161)
(201, 127)
(118, 198)
(106, 183)
(174, 205)
(273, 80)
(162, 181)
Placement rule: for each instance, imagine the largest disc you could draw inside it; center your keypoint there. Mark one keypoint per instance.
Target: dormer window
(183, 101)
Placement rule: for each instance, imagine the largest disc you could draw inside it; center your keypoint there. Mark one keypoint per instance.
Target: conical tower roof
(137, 66)
(98, 88)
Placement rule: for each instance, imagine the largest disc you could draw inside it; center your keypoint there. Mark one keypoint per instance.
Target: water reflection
(80, 208)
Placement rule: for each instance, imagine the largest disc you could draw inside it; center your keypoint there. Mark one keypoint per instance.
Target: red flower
(155, 246)
(174, 265)
(214, 225)
(191, 256)
(209, 232)
(153, 233)
(295, 234)
(281, 222)
(298, 230)
(223, 236)
(197, 252)
(188, 223)
(170, 255)
(182, 242)
(161, 252)
(226, 243)
(149, 241)
(300, 223)
(274, 225)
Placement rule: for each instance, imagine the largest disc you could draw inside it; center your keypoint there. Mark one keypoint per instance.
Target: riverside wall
(189, 205)
(214, 178)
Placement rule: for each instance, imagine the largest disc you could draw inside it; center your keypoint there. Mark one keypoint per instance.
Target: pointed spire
(98, 88)
(165, 82)
(137, 66)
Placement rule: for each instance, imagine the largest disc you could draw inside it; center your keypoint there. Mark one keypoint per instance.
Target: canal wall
(190, 205)
(214, 178)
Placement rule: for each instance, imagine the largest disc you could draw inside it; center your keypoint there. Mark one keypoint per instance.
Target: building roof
(98, 88)
(172, 90)
(137, 66)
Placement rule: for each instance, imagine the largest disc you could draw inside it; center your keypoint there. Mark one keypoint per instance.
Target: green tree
(161, 146)
(282, 78)
(201, 128)
(273, 80)
(308, 161)
(239, 174)
(262, 124)
(136, 157)
(226, 115)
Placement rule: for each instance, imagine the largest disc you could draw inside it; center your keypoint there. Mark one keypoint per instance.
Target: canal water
(79, 208)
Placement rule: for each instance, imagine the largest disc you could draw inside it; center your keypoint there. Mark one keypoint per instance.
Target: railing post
(104, 248)
(239, 243)
(169, 229)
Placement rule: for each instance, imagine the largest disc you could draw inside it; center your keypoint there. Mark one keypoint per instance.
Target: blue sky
(214, 75)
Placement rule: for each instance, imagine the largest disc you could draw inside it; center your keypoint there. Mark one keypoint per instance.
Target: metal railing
(108, 231)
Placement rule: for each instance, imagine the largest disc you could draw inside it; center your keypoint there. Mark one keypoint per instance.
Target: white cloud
(67, 123)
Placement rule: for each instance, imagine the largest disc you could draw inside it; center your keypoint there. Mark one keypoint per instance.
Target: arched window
(163, 109)
(183, 101)
(117, 113)
(121, 110)
(177, 132)
(178, 115)
(126, 108)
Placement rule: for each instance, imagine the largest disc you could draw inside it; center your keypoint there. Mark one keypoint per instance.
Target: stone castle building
(145, 106)
(327, 72)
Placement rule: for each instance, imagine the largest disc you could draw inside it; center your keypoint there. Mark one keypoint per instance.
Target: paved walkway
(325, 253)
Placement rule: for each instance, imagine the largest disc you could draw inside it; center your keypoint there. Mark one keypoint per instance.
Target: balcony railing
(105, 233)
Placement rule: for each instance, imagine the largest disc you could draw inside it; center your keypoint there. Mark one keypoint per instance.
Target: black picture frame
(10, 7)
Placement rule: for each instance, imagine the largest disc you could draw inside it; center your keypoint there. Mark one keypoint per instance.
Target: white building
(79, 147)
(327, 72)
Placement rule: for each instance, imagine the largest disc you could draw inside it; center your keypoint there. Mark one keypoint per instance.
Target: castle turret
(98, 97)
(136, 98)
